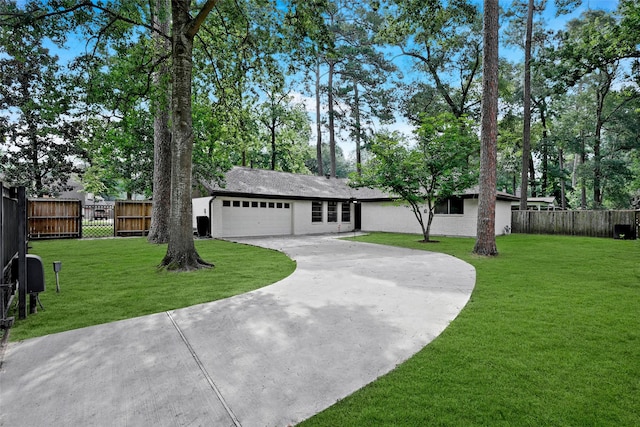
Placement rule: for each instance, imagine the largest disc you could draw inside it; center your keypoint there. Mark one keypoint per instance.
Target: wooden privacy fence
(577, 223)
(132, 218)
(54, 219)
(60, 218)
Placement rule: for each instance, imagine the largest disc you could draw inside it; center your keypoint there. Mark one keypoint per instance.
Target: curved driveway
(273, 357)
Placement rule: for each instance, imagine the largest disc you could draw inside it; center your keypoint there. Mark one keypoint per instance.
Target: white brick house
(257, 202)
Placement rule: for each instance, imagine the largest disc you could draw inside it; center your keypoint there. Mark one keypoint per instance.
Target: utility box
(624, 231)
(35, 274)
(203, 226)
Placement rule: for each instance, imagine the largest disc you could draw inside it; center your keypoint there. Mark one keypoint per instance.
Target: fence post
(80, 218)
(22, 252)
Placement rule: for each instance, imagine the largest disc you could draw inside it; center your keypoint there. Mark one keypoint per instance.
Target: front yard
(112, 279)
(551, 336)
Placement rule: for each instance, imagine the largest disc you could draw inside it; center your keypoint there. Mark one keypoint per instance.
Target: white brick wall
(395, 218)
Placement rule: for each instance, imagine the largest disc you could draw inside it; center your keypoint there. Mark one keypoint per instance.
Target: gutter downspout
(211, 216)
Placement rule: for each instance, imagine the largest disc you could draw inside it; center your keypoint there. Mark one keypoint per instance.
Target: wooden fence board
(132, 217)
(54, 219)
(573, 223)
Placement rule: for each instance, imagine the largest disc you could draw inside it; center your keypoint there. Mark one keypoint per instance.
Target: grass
(550, 337)
(112, 279)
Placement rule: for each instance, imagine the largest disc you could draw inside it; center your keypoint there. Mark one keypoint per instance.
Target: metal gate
(98, 220)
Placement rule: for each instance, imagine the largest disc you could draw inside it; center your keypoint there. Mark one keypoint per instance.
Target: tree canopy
(151, 97)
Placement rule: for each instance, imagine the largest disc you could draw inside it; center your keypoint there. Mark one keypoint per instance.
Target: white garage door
(255, 218)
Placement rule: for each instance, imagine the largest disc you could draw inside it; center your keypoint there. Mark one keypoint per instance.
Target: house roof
(247, 182)
(472, 193)
(550, 200)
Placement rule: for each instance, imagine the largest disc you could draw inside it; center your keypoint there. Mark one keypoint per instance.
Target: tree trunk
(603, 89)
(544, 186)
(486, 239)
(181, 252)
(318, 122)
(532, 176)
(272, 130)
(583, 181)
(356, 108)
(332, 129)
(159, 229)
(563, 196)
(526, 100)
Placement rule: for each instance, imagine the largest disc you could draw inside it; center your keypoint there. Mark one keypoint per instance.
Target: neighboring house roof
(472, 193)
(247, 182)
(549, 200)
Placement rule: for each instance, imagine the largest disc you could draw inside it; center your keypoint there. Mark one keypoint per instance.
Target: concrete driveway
(273, 357)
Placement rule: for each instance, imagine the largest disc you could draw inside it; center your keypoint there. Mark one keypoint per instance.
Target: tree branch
(194, 27)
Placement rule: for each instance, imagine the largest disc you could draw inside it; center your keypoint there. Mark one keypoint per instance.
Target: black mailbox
(35, 274)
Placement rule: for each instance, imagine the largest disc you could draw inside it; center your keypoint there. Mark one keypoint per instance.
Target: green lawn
(550, 337)
(111, 279)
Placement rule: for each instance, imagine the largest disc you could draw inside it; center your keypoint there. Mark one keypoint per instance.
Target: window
(226, 203)
(332, 211)
(442, 207)
(346, 212)
(456, 206)
(316, 211)
(279, 205)
(263, 204)
(452, 206)
(236, 203)
(254, 204)
(272, 205)
(245, 204)
(286, 205)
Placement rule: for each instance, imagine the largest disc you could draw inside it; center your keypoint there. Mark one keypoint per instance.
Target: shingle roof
(242, 181)
(500, 195)
(247, 182)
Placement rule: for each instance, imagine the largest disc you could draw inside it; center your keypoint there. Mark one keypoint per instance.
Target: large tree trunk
(332, 129)
(563, 195)
(159, 230)
(181, 252)
(603, 90)
(356, 112)
(486, 241)
(583, 180)
(318, 122)
(526, 100)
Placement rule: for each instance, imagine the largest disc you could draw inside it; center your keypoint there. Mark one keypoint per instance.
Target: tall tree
(159, 228)
(426, 174)
(526, 103)
(444, 39)
(365, 76)
(486, 229)
(181, 251)
(590, 52)
(39, 136)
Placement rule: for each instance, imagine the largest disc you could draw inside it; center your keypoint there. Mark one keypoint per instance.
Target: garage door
(255, 218)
